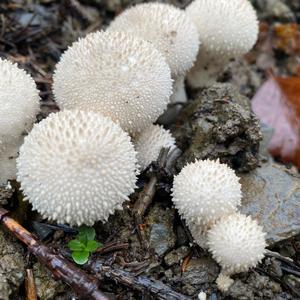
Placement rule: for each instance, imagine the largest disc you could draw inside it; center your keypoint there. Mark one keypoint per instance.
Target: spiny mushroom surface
(206, 190)
(19, 102)
(77, 167)
(237, 243)
(228, 29)
(149, 143)
(116, 74)
(167, 27)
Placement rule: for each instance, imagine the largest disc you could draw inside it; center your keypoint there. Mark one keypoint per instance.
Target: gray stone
(12, 268)
(219, 124)
(200, 271)
(160, 229)
(271, 194)
(176, 256)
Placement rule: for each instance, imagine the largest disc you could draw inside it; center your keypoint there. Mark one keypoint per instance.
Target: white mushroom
(116, 74)
(77, 167)
(203, 192)
(170, 30)
(237, 243)
(228, 30)
(19, 105)
(149, 143)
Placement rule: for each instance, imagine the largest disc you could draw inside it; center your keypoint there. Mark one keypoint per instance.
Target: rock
(271, 194)
(47, 287)
(160, 229)
(12, 268)
(6, 193)
(176, 256)
(219, 124)
(199, 271)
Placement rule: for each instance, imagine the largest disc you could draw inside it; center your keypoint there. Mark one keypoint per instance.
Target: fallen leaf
(277, 104)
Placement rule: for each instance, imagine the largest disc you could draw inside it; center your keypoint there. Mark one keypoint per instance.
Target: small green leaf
(86, 233)
(80, 257)
(75, 245)
(92, 246)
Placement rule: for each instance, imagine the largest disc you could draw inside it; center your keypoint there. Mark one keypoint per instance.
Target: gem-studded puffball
(19, 102)
(77, 167)
(116, 74)
(150, 142)
(206, 190)
(237, 243)
(167, 27)
(228, 29)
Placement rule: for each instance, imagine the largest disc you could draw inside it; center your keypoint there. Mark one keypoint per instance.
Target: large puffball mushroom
(206, 190)
(149, 143)
(116, 74)
(237, 243)
(77, 167)
(170, 30)
(19, 102)
(228, 30)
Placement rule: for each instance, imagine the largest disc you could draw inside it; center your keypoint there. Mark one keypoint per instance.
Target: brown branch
(30, 285)
(83, 284)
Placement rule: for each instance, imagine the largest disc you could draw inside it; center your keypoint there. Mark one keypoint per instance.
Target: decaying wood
(83, 284)
(30, 286)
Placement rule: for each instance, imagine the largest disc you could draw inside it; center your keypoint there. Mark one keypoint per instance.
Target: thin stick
(30, 286)
(83, 284)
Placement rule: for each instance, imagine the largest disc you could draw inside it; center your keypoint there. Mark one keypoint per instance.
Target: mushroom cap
(224, 282)
(150, 142)
(77, 167)
(228, 29)
(206, 190)
(19, 102)
(117, 75)
(237, 243)
(167, 27)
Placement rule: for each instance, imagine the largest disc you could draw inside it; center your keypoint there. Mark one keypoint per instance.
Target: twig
(30, 285)
(139, 283)
(112, 247)
(84, 284)
(282, 258)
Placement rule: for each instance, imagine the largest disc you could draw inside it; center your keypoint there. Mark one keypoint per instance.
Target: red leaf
(277, 104)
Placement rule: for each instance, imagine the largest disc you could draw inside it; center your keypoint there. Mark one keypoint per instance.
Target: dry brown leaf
(277, 104)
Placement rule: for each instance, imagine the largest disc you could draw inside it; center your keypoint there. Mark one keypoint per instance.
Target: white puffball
(118, 75)
(77, 167)
(150, 142)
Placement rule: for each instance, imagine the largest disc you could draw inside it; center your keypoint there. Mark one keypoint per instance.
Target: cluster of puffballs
(79, 165)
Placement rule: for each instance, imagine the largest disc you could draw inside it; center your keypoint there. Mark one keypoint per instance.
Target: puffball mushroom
(150, 142)
(169, 29)
(228, 30)
(19, 104)
(237, 243)
(116, 74)
(77, 167)
(206, 190)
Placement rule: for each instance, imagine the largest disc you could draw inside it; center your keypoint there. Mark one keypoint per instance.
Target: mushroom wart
(228, 30)
(120, 76)
(77, 167)
(149, 143)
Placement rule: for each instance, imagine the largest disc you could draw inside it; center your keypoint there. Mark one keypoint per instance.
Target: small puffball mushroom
(224, 282)
(170, 30)
(149, 143)
(77, 167)
(237, 243)
(116, 74)
(228, 30)
(206, 190)
(19, 102)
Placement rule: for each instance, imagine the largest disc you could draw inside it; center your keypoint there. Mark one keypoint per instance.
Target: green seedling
(83, 245)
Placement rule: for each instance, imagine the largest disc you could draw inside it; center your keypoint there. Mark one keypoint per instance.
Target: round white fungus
(237, 243)
(19, 102)
(118, 75)
(77, 167)
(224, 282)
(150, 142)
(167, 27)
(228, 29)
(206, 190)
